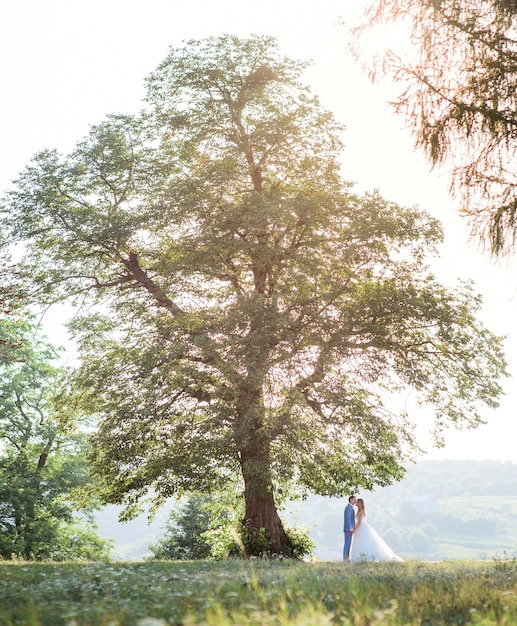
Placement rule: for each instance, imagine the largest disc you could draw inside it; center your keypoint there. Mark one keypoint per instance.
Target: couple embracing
(362, 542)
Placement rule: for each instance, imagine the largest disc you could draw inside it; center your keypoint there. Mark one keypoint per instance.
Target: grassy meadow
(250, 593)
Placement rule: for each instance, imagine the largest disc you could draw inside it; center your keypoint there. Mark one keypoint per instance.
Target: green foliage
(301, 543)
(79, 540)
(42, 459)
(255, 541)
(10, 294)
(225, 542)
(247, 313)
(184, 537)
(257, 593)
(458, 95)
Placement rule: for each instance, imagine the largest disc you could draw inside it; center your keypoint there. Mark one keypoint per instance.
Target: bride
(367, 544)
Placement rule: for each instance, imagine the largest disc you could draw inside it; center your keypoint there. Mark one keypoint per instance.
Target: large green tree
(254, 315)
(458, 95)
(42, 459)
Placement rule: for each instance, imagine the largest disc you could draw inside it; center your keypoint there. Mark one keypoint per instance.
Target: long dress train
(367, 545)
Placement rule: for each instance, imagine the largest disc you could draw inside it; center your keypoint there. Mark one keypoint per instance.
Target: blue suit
(349, 525)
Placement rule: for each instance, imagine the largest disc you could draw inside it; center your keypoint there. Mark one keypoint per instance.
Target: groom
(349, 527)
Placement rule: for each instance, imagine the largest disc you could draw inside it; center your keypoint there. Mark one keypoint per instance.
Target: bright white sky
(64, 65)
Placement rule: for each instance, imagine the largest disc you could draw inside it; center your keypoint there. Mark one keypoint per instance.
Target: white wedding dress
(367, 545)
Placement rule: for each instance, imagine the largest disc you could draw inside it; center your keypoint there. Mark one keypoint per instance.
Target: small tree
(184, 532)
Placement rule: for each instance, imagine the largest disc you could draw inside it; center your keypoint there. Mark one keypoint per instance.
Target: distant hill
(441, 510)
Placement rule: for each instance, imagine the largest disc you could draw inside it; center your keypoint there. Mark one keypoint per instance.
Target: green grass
(257, 593)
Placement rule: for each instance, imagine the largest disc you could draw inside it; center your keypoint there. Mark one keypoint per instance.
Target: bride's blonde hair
(360, 505)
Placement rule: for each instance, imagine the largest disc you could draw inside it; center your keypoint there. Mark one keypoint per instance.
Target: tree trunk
(264, 531)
